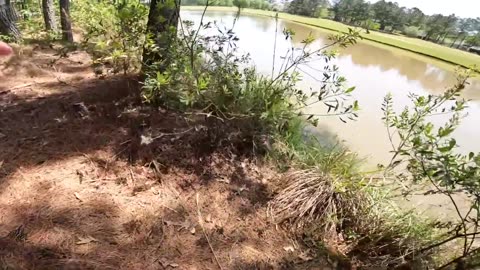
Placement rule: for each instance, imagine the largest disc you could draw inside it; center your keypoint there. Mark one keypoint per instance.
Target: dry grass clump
(356, 220)
(308, 197)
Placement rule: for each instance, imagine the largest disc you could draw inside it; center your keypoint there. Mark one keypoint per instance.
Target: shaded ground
(79, 190)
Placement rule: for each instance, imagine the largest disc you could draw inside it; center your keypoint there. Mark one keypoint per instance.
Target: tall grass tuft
(299, 146)
(356, 219)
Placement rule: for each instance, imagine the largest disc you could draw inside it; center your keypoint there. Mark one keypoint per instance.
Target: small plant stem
(448, 240)
(275, 45)
(299, 59)
(459, 259)
(452, 200)
(192, 45)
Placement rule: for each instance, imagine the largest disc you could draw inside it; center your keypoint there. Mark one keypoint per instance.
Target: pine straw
(328, 210)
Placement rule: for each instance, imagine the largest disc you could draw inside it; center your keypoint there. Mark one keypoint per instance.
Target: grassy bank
(430, 49)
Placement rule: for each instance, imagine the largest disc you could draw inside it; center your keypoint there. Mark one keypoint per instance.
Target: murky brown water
(374, 69)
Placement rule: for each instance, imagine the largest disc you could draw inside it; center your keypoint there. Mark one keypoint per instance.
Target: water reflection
(265, 25)
(364, 54)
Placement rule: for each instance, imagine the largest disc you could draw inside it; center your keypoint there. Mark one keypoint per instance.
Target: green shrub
(208, 75)
(241, 3)
(322, 12)
(412, 31)
(113, 33)
(371, 25)
(429, 155)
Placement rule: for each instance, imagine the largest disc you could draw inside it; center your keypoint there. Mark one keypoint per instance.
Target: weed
(113, 33)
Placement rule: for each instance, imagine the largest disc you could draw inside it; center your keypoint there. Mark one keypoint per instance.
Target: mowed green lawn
(430, 49)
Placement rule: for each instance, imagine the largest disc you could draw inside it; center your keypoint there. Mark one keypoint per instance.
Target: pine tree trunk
(162, 25)
(65, 20)
(382, 26)
(461, 42)
(443, 39)
(455, 40)
(8, 18)
(49, 15)
(336, 18)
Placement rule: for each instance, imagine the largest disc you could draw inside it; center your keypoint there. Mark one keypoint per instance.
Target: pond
(373, 68)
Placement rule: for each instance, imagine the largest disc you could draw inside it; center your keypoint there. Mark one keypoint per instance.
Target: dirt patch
(90, 178)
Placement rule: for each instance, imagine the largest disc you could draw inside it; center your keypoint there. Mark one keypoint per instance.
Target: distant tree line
(390, 17)
(255, 4)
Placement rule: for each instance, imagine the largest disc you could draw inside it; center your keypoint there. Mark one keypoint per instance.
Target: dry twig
(200, 222)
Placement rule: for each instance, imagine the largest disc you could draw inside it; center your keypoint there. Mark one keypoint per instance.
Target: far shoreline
(452, 57)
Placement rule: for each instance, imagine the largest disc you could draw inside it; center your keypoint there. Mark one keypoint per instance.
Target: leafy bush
(113, 33)
(299, 147)
(32, 23)
(322, 12)
(412, 31)
(209, 75)
(241, 3)
(225, 3)
(258, 4)
(473, 40)
(429, 155)
(371, 25)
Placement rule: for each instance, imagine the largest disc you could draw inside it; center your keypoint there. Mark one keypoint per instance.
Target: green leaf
(416, 141)
(444, 149)
(349, 90)
(396, 163)
(356, 107)
(428, 128)
(451, 144)
(308, 40)
(444, 132)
